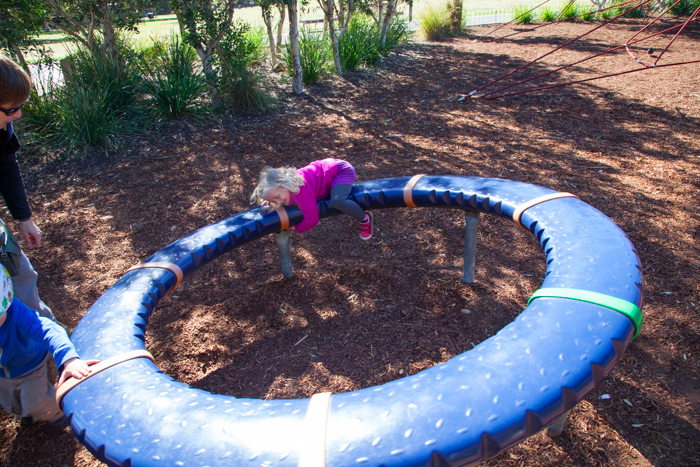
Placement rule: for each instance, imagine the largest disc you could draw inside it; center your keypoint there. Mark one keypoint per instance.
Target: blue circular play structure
(460, 412)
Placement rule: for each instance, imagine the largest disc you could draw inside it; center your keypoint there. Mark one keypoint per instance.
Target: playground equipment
(461, 412)
(621, 9)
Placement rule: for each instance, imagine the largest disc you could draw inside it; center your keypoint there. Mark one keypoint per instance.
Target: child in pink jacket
(304, 187)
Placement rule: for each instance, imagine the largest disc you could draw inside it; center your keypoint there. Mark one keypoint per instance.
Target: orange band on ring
(523, 207)
(284, 218)
(71, 382)
(408, 190)
(174, 268)
(313, 452)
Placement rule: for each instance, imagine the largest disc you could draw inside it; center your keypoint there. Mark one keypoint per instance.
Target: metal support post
(470, 231)
(556, 427)
(282, 240)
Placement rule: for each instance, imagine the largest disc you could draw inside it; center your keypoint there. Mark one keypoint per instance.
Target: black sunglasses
(11, 111)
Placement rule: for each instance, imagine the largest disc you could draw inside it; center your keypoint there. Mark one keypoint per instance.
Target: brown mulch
(358, 314)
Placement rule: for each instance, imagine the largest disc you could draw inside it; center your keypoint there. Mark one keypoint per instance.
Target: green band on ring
(628, 309)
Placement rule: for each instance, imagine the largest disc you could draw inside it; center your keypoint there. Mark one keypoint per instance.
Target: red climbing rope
(485, 96)
(634, 56)
(476, 91)
(557, 20)
(593, 79)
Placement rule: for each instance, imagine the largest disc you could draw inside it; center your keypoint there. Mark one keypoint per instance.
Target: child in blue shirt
(25, 342)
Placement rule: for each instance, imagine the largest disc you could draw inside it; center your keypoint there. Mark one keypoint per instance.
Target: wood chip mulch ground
(358, 314)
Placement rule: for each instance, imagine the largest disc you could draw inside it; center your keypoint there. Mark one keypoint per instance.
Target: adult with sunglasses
(15, 87)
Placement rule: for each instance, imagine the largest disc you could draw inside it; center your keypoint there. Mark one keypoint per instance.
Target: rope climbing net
(621, 9)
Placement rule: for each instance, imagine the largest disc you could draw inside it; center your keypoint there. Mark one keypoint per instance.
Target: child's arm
(75, 368)
(306, 200)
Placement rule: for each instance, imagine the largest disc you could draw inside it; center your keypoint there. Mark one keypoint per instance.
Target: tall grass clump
(114, 76)
(257, 47)
(633, 13)
(684, 8)
(589, 14)
(240, 52)
(523, 15)
(606, 14)
(98, 103)
(88, 118)
(571, 12)
(172, 82)
(358, 46)
(434, 22)
(547, 15)
(315, 55)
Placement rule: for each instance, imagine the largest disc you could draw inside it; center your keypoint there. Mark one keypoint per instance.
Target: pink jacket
(318, 177)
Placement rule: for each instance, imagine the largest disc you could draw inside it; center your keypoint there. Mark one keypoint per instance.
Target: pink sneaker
(367, 226)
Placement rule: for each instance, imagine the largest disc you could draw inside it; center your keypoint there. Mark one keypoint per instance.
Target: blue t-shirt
(25, 337)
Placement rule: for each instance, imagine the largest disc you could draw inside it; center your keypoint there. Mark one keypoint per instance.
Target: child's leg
(9, 396)
(37, 396)
(25, 288)
(340, 201)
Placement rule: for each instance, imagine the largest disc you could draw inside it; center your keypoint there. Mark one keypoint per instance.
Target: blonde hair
(271, 178)
(15, 84)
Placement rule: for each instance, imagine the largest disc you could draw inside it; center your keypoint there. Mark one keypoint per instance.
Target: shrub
(607, 14)
(547, 15)
(571, 12)
(87, 117)
(684, 7)
(171, 81)
(589, 14)
(358, 46)
(239, 52)
(315, 55)
(523, 15)
(113, 76)
(98, 103)
(434, 22)
(244, 92)
(633, 13)
(256, 47)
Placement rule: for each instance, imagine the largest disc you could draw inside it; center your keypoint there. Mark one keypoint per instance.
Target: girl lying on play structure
(304, 187)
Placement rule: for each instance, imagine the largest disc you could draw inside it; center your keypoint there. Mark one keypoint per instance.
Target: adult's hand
(30, 233)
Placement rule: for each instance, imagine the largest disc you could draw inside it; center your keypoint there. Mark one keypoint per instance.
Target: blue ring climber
(460, 412)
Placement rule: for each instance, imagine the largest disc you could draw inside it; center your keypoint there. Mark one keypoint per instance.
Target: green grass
(434, 22)
(547, 14)
(571, 12)
(315, 56)
(523, 15)
(171, 81)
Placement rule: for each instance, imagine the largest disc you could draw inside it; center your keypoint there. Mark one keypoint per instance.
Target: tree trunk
(328, 8)
(205, 58)
(267, 18)
(109, 38)
(386, 21)
(456, 17)
(344, 17)
(297, 78)
(280, 27)
(20, 58)
(326, 5)
(204, 52)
